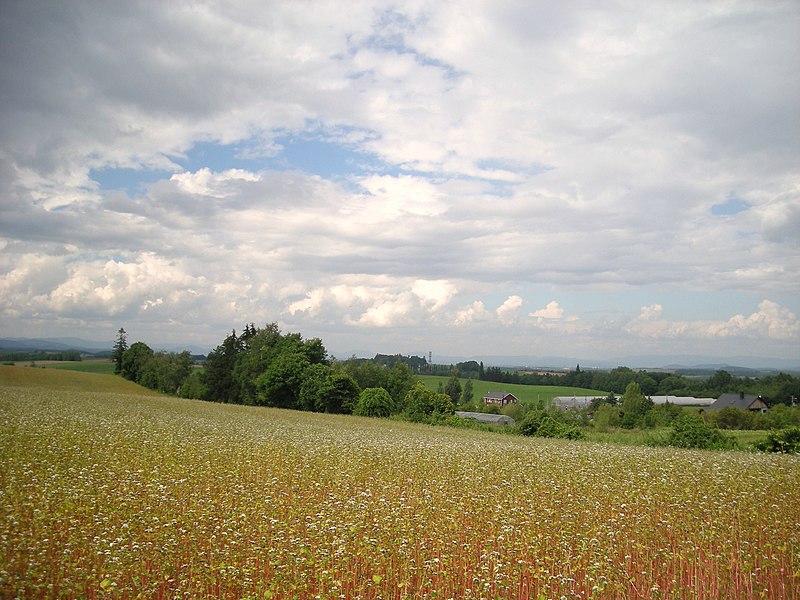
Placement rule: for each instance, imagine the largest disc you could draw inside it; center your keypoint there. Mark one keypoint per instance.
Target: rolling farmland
(121, 495)
(526, 393)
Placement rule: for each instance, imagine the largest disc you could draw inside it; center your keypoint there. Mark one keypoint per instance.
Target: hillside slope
(75, 381)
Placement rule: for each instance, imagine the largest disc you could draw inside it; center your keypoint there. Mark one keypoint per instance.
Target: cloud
(780, 218)
(206, 183)
(457, 170)
(375, 302)
(507, 312)
(770, 321)
(551, 311)
(474, 312)
(435, 294)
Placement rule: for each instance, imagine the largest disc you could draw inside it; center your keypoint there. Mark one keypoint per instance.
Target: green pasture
(100, 365)
(525, 393)
(69, 380)
(86, 366)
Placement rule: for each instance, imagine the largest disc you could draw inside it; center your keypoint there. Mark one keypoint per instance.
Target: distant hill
(82, 345)
(739, 365)
(65, 343)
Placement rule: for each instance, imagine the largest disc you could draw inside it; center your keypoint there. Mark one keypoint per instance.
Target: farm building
(500, 398)
(486, 418)
(682, 400)
(578, 402)
(741, 401)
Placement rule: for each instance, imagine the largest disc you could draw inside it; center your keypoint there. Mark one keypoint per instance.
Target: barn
(500, 398)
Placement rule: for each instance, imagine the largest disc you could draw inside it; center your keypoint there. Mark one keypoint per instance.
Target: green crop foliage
(126, 496)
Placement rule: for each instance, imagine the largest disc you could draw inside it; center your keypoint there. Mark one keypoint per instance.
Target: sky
(466, 178)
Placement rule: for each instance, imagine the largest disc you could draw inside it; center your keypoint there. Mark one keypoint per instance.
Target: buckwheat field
(125, 496)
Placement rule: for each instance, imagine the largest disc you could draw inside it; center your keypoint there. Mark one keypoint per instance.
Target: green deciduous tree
(134, 361)
(634, 406)
(314, 386)
(279, 385)
(171, 370)
(340, 394)
(420, 402)
(401, 379)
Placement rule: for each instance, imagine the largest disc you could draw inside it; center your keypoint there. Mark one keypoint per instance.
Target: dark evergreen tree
(453, 387)
(120, 346)
(218, 374)
(467, 394)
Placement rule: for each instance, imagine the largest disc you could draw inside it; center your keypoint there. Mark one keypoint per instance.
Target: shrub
(635, 407)
(542, 423)
(606, 416)
(780, 416)
(421, 402)
(689, 431)
(785, 441)
(374, 402)
(731, 417)
(193, 386)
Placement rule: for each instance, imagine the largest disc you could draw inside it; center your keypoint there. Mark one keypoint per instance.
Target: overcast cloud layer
(471, 178)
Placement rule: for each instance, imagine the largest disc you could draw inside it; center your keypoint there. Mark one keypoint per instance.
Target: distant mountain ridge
(739, 364)
(82, 345)
(645, 362)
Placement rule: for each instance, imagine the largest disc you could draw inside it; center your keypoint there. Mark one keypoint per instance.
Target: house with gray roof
(741, 401)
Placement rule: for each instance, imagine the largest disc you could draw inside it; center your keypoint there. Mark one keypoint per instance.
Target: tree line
(33, 355)
(261, 366)
(775, 389)
(265, 367)
(162, 371)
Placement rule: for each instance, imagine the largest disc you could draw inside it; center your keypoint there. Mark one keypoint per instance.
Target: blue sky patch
(326, 159)
(311, 154)
(132, 181)
(732, 206)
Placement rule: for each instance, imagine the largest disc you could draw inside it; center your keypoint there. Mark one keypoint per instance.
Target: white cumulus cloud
(551, 311)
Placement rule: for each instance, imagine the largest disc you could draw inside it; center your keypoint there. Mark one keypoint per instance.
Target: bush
(421, 402)
(193, 386)
(374, 402)
(689, 431)
(785, 441)
(780, 416)
(542, 423)
(607, 416)
(731, 417)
